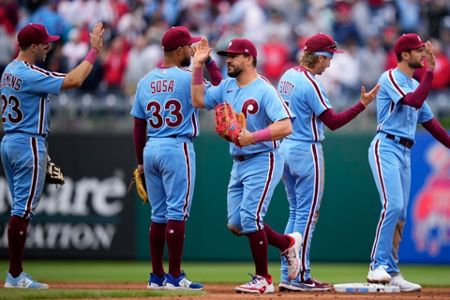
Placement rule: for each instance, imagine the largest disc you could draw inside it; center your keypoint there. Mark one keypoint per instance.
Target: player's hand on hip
(97, 36)
(429, 54)
(245, 138)
(201, 52)
(367, 98)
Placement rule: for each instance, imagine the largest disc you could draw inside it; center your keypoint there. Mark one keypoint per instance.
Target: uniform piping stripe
(45, 72)
(41, 115)
(394, 83)
(286, 108)
(316, 88)
(312, 210)
(194, 125)
(381, 179)
(265, 191)
(314, 128)
(188, 192)
(391, 109)
(34, 178)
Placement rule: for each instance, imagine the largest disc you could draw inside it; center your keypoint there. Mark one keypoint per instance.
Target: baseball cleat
(379, 275)
(181, 283)
(285, 286)
(155, 282)
(291, 255)
(310, 285)
(23, 281)
(258, 285)
(403, 284)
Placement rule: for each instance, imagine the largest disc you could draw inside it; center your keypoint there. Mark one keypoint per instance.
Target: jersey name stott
(286, 87)
(162, 86)
(12, 81)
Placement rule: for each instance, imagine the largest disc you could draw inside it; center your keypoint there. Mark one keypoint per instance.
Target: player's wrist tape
(262, 135)
(91, 56)
(197, 76)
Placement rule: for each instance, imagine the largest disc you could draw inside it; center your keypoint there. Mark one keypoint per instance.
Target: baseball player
(400, 106)
(303, 175)
(258, 164)
(163, 112)
(24, 92)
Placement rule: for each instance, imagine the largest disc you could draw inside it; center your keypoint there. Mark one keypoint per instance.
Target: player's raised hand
(367, 98)
(429, 53)
(201, 52)
(97, 36)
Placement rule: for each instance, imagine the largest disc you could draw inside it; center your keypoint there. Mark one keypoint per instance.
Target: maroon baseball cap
(34, 33)
(177, 36)
(321, 43)
(406, 42)
(240, 46)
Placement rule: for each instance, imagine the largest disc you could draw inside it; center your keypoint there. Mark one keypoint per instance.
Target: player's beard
(415, 64)
(235, 72)
(186, 62)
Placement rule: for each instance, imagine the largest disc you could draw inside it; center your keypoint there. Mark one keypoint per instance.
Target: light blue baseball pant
(169, 167)
(24, 159)
(303, 179)
(391, 167)
(250, 190)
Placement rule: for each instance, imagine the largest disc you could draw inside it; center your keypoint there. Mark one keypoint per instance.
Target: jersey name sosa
(162, 86)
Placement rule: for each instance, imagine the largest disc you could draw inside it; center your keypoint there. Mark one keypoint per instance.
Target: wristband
(197, 76)
(91, 56)
(262, 135)
(208, 61)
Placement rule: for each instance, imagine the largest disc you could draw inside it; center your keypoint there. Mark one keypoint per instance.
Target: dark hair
(309, 59)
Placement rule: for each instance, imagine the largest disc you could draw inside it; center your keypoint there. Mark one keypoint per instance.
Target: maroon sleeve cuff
(140, 138)
(336, 120)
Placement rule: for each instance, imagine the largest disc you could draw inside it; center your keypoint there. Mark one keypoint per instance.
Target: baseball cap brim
(195, 39)
(52, 38)
(226, 52)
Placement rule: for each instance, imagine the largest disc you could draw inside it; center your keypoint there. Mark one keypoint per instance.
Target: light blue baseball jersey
(393, 116)
(25, 104)
(260, 103)
(163, 99)
(24, 90)
(307, 99)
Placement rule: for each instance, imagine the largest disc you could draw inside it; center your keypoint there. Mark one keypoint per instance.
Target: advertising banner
(91, 215)
(426, 237)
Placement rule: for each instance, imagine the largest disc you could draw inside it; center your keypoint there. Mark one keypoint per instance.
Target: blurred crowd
(364, 29)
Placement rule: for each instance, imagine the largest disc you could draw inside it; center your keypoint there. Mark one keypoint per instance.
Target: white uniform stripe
(41, 115)
(395, 84)
(314, 129)
(34, 178)
(316, 89)
(259, 225)
(379, 169)
(188, 188)
(312, 210)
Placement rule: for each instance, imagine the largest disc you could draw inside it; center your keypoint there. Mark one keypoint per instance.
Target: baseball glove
(229, 124)
(54, 174)
(139, 180)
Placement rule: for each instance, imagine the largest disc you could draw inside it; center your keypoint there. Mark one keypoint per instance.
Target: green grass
(137, 272)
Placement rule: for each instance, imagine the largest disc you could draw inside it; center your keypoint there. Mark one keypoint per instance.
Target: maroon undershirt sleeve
(140, 137)
(214, 72)
(418, 97)
(437, 131)
(336, 120)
